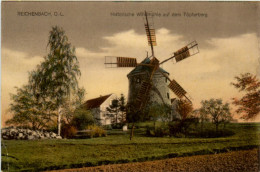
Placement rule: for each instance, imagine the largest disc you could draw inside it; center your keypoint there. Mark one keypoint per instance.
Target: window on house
(138, 80)
(165, 79)
(168, 95)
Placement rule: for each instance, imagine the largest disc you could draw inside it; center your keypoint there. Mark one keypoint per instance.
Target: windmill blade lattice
(150, 32)
(185, 52)
(113, 61)
(177, 89)
(143, 95)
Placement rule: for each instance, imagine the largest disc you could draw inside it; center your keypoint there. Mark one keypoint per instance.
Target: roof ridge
(95, 102)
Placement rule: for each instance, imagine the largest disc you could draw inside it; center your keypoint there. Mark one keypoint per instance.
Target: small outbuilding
(98, 107)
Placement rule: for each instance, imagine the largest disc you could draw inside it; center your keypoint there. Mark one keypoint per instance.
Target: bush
(117, 126)
(82, 118)
(96, 131)
(210, 133)
(183, 126)
(68, 131)
(107, 127)
(91, 131)
(161, 131)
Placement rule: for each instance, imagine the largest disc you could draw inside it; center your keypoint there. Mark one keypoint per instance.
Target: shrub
(91, 131)
(107, 127)
(117, 126)
(182, 126)
(161, 131)
(68, 131)
(96, 131)
(210, 133)
(82, 118)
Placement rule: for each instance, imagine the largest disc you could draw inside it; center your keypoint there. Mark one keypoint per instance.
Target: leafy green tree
(158, 111)
(122, 108)
(116, 111)
(249, 104)
(218, 111)
(202, 116)
(58, 74)
(29, 110)
(113, 110)
(133, 116)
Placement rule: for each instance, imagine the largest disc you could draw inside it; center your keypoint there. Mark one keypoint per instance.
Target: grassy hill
(117, 148)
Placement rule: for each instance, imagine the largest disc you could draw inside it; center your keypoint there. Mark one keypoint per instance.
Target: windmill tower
(159, 90)
(147, 81)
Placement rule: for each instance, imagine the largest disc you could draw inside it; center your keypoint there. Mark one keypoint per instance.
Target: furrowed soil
(236, 161)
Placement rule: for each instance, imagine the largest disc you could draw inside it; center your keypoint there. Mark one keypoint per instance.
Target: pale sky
(227, 38)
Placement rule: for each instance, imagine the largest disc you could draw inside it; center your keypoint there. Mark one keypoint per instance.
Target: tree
(113, 110)
(29, 108)
(122, 107)
(117, 110)
(133, 116)
(249, 104)
(27, 111)
(158, 111)
(202, 116)
(57, 76)
(218, 111)
(184, 109)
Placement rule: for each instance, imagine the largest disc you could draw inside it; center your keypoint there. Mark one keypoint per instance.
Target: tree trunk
(201, 126)
(132, 131)
(154, 125)
(59, 121)
(216, 127)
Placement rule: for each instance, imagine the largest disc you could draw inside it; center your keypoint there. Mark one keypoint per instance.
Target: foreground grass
(117, 148)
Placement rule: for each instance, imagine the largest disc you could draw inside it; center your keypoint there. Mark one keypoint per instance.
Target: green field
(117, 148)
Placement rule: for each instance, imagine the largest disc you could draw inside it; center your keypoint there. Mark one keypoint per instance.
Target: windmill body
(159, 90)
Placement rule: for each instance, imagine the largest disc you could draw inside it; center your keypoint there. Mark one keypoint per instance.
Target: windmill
(152, 65)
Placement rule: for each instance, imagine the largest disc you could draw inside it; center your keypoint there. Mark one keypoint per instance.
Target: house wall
(104, 120)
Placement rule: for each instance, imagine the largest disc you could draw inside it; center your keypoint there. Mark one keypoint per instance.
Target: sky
(227, 34)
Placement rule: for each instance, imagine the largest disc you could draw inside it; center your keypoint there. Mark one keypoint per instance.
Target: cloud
(15, 66)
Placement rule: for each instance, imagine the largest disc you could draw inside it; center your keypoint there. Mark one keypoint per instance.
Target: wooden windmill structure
(154, 64)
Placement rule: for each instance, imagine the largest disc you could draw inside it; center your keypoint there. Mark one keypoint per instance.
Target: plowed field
(237, 161)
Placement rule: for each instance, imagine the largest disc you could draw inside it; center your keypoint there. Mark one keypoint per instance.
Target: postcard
(130, 86)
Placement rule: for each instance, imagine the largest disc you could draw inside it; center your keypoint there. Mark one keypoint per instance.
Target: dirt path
(237, 161)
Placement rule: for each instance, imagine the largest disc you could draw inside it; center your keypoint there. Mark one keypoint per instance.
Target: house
(98, 107)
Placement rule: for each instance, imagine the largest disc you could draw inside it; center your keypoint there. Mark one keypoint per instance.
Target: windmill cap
(140, 68)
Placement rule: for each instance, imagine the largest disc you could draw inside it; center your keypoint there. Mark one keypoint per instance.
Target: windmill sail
(113, 61)
(181, 54)
(177, 89)
(185, 52)
(150, 32)
(143, 95)
(150, 35)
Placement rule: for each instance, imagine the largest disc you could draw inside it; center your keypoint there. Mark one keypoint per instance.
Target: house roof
(96, 102)
(141, 68)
